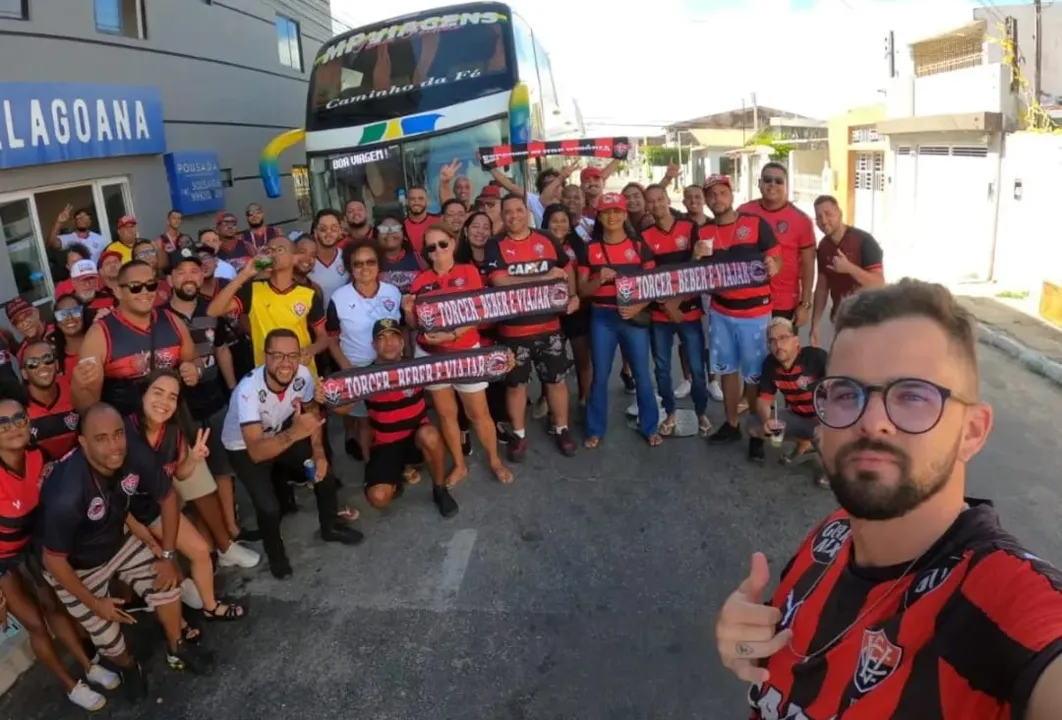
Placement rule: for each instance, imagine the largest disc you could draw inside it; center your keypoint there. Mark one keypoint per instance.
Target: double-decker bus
(391, 103)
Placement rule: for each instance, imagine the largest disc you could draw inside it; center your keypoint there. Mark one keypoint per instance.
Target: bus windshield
(402, 67)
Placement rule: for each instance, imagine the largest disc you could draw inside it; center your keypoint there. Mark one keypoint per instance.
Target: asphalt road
(584, 591)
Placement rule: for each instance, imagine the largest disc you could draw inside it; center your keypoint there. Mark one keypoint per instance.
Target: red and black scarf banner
(699, 278)
(466, 366)
(437, 313)
(613, 148)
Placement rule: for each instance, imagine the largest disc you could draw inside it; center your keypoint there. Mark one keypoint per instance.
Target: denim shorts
(738, 344)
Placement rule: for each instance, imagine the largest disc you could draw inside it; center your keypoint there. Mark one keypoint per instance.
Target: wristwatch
(169, 554)
(805, 305)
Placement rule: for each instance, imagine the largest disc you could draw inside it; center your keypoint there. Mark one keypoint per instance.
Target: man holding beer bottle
(275, 302)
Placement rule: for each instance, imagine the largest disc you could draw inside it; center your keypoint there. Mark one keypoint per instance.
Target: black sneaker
(628, 382)
(343, 534)
(444, 501)
(756, 453)
(505, 435)
(466, 443)
(190, 658)
(280, 567)
(564, 442)
(133, 679)
(725, 434)
(517, 449)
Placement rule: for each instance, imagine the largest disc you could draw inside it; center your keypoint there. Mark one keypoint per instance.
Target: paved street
(585, 591)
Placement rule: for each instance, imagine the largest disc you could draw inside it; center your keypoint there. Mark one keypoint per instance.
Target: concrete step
(16, 657)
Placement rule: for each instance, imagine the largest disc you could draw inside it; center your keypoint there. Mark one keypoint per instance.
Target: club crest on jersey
(804, 382)
(165, 358)
(262, 396)
(878, 659)
(742, 233)
(540, 249)
(829, 541)
(299, 309)
(389, 305)
(298, 384)
(459, 282)
(782, 227)
(682, 242)
(929, 580)
(630, 254)
(70, 420)
(96, 509)
(130, 483)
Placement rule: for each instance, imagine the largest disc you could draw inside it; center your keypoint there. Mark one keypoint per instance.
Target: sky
(675, 60)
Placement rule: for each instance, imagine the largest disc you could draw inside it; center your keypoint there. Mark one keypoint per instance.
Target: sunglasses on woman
(442, 245)
(67, 314)
(388, 229)
(137, 288)
(34, 363)
(18, 420)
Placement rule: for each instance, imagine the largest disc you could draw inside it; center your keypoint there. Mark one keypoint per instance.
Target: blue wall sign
(195, 181)
(42, 123)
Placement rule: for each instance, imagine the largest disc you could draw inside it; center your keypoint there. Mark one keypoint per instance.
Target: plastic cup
(705, 246)
(777, 433)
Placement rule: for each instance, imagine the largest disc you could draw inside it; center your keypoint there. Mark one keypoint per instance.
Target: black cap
(385, 325)
(203, 247)
(184, 255)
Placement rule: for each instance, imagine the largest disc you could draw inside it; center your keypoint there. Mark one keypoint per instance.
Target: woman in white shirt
(352, 310)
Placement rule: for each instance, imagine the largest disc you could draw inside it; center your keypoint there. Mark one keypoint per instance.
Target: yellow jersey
(122, 249)
(297, 308)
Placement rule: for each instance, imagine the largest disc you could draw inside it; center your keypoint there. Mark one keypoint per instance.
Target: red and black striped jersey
(396, 414)
(19, 498)
(54, 425)
(130, 358)
(415, 230)
(461, 278)
(962, 633)
(794, 382)
(626, 258)
(530, 257)
(674, 246)
(744, 239)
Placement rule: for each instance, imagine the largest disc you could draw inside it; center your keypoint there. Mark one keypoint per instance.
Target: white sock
(519, 433)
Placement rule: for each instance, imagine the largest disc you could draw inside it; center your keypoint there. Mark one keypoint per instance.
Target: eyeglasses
(145, 254)
(360, 264)
(34, 363)
(442, 245)
(389, 228)
(18, 421)
(284, 357)
(913, 405)
(68, 313)
(772, 180)
(137, 288)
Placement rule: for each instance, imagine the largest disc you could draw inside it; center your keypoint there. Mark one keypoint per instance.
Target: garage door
(869, 191)
(898, 243)
(953, 228)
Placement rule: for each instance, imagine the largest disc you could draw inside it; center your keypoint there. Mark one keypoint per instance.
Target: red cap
(223, 215)
(611, 201)
(126, 220)
(490, 192)
(108, 254)
(16, 307)
(589, 173)
(717, 180)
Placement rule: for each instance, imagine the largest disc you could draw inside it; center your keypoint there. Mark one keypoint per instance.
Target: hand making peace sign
(200, 451)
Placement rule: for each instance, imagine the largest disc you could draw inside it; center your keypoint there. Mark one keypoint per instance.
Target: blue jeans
(607, 331)
(692, 335)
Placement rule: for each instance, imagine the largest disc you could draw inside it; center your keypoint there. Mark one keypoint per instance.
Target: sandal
(503, 475)
(348, 514)
(704, 426)
(591, 443)
(666, 427)
(411, 475)
(654, 440)
(191, 635)
(233, 611)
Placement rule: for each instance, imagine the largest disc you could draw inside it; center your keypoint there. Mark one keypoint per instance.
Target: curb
(1034, 361)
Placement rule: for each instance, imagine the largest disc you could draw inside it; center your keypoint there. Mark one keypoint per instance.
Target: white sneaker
(239, 556)
(632, 411)
(715, 391)
(190, 594)
(99, 675)
(683, 390)
(86, 698)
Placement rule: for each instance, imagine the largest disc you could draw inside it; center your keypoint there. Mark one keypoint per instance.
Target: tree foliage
(660, 156)
(772, 139)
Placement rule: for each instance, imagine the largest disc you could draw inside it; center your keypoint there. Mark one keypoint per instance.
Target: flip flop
(348, 514)
(666, 427)
(655, 440)
(503, 475)
(592, 443)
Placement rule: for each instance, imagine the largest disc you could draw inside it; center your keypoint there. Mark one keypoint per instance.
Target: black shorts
(388, 462)
(10, 564)
(27, 559)
(578, 323)
(547, 353)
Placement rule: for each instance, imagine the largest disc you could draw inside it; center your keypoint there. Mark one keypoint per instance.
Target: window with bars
(864, 134)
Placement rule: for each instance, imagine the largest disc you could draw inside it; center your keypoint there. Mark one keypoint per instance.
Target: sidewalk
(1012, 327)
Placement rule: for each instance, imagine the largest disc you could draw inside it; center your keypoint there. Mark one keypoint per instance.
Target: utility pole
(1038, 9)
(755, 115)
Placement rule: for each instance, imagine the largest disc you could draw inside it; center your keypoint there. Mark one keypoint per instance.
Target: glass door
(112, 203)
(20, 232)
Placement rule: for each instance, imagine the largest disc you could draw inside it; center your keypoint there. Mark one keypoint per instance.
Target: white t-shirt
(94, 242)
(352, 315)
(224, 270)
(330, 277)
(534, 204)
(254, 403)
